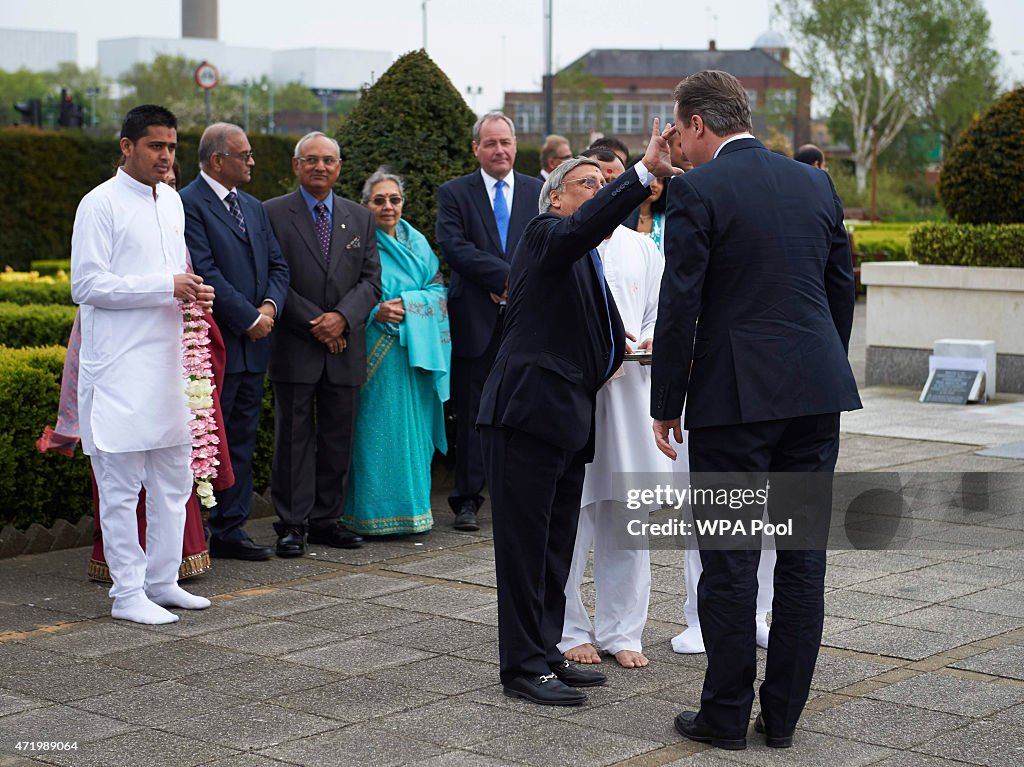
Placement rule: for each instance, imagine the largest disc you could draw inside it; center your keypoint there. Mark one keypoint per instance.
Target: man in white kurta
(622, 576)
(128, 266)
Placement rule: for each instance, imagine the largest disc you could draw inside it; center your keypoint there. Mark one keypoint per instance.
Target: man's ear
(556, 200)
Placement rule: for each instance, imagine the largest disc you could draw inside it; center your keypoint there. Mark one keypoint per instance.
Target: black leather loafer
(574, 676)
(244, 549)
(338, 537)
(773, 741)
(688, 726)
(545, 690)
(465, 519)
(291, 542)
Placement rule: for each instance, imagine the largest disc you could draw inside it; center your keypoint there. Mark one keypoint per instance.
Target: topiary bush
(982, 180)
(40, 292)
(59, 268)
(968, 244)
(413, 120)
(23, 325)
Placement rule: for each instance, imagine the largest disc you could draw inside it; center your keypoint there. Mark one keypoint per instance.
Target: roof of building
(770, 39)
(753, 62)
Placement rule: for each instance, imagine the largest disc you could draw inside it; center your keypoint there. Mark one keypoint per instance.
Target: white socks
(691, 642)
(175, 596)
(138, 609)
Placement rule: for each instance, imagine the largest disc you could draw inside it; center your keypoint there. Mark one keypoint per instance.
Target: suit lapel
(302, 220)
(478, 193)
(524, 209)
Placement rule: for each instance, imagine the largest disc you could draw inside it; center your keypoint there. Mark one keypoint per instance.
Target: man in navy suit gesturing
(753, 327)
(233, 248)
(480, 218)
(563, 338)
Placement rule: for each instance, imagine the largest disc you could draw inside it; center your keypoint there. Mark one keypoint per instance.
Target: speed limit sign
(207, 76)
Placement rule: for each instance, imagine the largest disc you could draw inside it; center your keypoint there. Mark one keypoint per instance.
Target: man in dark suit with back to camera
(480, 218)
(318, 358)
(234, 249)
(753, 326)
(563, 338)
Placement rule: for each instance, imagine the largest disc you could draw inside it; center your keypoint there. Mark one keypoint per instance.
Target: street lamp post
(549, 85)
(473, 91)
(323, 93)
(92, 93)
(247, 85)
(423, 8)
(268, 88)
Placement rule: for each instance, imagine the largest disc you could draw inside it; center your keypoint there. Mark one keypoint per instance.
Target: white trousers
(622, 579)
(765, 583)
(167, 477)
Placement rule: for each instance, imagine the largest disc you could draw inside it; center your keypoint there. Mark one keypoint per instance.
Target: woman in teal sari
(401, 409)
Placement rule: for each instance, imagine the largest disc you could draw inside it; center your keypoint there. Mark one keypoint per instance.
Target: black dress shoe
(781, 741)
(337, 536)
(688, 726)
(291, 542)
(574, 676)
(242, 549)
(546, 690)
(465, 518)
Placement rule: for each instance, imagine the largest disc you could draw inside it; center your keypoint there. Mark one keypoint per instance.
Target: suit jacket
(244, 269)
(351, 286)
(469, 242)
(555, 345)
(757, 252)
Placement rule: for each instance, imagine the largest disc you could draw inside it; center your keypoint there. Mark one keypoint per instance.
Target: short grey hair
(215, 141)
(312, 135)
(383, 173)
(491, 117)
(556, 181)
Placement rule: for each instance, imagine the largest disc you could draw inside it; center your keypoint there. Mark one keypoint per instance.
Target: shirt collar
(135, 186)
(737, 137)
(311, 201)
(490, 181)
(218, 188)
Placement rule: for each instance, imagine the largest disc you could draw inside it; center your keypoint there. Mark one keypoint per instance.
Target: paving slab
(565, 744)
(151, 748)
(895, 641)
(270, 637)
(437, 634)
(83, 679)
(262, 678)
(96, 639)
(458, 723)
(357, 699)
(952, 695)
(356, 586)
(154, 704)
(354, 656)
(176, 659)
(883, 723)
(968, 625)
(250, 727)
(1004, 661)
(59, 723)
(980, 742)
(360, 744)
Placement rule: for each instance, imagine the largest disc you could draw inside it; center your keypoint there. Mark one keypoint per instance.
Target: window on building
(528, 116)
(625, 117)
(780, 100)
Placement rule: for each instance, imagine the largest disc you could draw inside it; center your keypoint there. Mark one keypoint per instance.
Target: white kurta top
(125, 249)
(624, 439)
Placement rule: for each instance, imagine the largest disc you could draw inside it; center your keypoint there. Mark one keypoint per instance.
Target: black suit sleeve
(485, 269)
(687, 250)
(839, 280)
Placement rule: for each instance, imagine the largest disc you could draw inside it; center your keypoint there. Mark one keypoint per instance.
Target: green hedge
(36, 293)
(50, 267)
(46, 173)
(38, 487)
(968, 244)
(23, 325)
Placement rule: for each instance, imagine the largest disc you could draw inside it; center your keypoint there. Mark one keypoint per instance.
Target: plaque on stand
(644, 358)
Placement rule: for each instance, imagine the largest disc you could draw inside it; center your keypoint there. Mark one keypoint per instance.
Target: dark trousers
(727, 590)
(241, 398)
(314, 425)
(535, 505)
(468, 377)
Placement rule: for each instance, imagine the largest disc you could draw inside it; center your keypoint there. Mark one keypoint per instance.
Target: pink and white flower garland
(196, 359)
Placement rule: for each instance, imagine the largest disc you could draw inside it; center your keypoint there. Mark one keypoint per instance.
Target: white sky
(494, 46)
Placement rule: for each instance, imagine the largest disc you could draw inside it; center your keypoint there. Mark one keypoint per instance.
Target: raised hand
(658, 157)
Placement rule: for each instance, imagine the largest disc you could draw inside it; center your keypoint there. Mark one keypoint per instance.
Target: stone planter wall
(911, 305)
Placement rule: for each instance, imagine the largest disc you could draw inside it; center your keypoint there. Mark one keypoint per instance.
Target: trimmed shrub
(414, 121)
(528, 159)
(982, 180)
(53, 267)
(36, 487)
(35, 292)
(968, 244)
(23, 325)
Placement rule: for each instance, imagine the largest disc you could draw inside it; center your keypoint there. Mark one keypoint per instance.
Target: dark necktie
(235, 210)
(596, 258)
(501, 212)
(323, 231)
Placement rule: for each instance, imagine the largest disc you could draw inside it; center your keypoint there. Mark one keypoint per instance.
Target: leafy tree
(887, 60)
(982, 179)
(414, 121)
(583, 98)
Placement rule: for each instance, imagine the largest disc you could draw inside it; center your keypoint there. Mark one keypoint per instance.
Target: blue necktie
(235, 210)
(501, 212)
(596, 258)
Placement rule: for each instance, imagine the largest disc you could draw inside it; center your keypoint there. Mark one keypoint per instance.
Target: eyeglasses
(312, 160)
(381, 199)
(589, 182)
(243, 156)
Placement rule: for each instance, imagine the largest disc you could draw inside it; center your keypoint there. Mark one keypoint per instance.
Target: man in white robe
(128, 273)
(622, 573)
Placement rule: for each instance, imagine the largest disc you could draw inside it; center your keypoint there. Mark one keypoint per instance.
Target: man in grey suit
(318, 354)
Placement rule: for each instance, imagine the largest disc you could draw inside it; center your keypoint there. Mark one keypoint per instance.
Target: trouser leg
(622, 579)
(577, 628)
(168, 483)
(118, 479)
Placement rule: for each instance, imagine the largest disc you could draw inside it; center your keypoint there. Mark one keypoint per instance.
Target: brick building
(638, 85)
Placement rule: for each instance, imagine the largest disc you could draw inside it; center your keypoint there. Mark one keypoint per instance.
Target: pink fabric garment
(64, 438)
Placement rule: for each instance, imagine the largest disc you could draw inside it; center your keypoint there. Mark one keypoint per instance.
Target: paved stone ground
(387, 655)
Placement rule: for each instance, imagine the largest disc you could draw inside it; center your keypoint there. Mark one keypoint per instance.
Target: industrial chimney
(199, 18)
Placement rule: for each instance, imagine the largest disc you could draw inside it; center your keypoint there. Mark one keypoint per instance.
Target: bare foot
(631, 659)
(584, 653)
